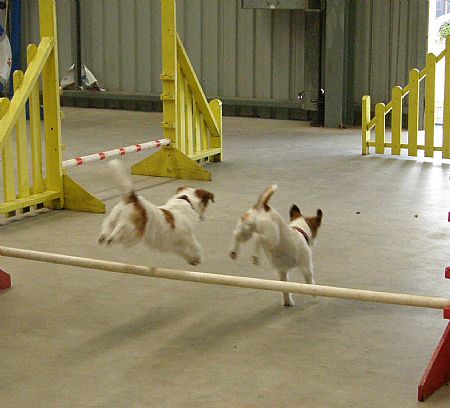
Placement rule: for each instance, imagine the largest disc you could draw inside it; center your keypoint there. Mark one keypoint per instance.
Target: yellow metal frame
(395, 106)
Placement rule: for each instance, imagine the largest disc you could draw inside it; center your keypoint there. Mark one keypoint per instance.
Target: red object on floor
(437, 373)
(5, 280)
(447, 313)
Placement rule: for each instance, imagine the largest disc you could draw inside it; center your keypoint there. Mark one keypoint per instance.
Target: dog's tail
(125, 184)
(265, 197)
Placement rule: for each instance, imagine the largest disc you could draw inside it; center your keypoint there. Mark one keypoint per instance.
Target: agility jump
(228, 280)
(191, 123)
(435, 376)
(78, 161)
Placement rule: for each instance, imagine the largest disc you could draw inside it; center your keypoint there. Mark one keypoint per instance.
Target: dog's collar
(298, 229)
(186, 198)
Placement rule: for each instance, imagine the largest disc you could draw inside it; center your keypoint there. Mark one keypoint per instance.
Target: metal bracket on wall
(167, 77)
(168, 125)
(167, 97)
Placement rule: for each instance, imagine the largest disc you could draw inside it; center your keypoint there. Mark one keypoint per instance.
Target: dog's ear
(314, 222)
(204, 195)
(294, 213)
(179, 189)
(318, 218)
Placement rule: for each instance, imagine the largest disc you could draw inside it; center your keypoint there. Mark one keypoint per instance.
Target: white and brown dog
(169, 228)
(286, 245)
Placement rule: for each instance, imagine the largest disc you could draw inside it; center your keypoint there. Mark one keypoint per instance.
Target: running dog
(287, 245)
(168, 228)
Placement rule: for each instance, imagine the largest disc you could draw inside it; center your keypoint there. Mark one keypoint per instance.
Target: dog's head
(247, 221)
(246, 224)
(125, 224)
(298, 219)
(197, 197)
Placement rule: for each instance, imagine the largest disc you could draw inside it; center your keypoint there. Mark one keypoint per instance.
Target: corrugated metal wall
(390, 40)
(237, 53)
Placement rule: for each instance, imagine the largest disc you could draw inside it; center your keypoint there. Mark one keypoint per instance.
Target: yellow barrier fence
(20, 194)
(395, 107)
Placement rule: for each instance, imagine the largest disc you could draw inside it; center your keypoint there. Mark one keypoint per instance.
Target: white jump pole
(227, 280)
(78, 161)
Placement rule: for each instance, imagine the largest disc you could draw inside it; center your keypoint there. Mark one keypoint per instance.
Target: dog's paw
(195, 261)
(233, 255)
(287, 300)
(255, 260)
(101, 239)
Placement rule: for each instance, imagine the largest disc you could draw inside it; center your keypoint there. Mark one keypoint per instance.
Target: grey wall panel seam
(220, 48)
(254, 52)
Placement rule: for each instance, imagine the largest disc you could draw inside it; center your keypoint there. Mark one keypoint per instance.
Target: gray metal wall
(235, 52)
(239, 53)
(390, 39)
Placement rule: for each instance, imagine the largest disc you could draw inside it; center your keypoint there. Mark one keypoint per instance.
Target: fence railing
(21, 192)
(395, 107)
(200, 123)
(192, 124)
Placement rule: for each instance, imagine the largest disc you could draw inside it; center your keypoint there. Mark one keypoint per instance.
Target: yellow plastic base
(170, 162)
(78, 199)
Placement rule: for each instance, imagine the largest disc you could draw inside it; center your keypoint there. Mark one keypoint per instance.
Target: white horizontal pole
(78, 161)
(227, 280)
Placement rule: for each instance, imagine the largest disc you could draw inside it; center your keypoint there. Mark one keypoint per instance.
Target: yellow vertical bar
(50, 91)
(380, 127)
(35, 130)
(430, 90)
(189, 121)
(197, 128)
(9, 187)
(413, 111)
(446, 131)
(396, 119)
(23, 182)
(169, 69)
(216, 141)
(181, 125)
(365, 122)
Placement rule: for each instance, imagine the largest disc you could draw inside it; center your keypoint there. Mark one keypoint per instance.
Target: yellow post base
(78, 199)
(216, 158)
(170, 162)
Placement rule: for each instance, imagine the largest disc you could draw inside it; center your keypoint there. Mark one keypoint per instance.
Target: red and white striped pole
(78, 161)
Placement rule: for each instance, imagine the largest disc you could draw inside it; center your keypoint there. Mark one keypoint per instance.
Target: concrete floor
(82, 338)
